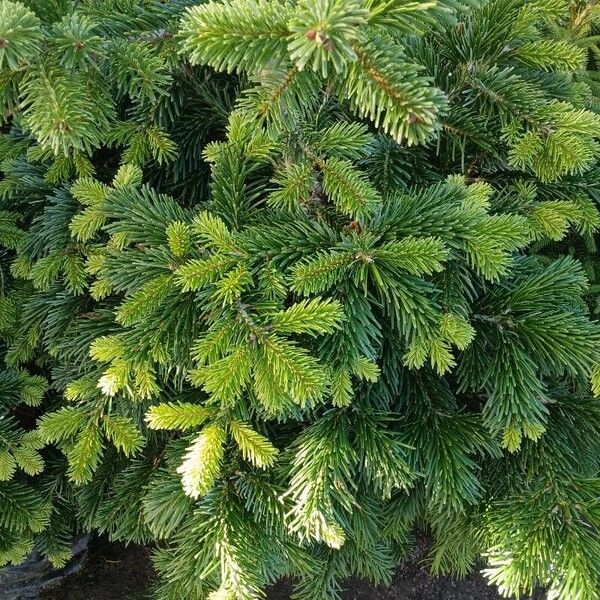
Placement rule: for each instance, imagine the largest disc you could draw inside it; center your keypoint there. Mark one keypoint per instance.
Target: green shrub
(284, 282)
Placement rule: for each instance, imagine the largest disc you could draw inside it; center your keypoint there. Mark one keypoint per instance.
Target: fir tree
(304, 277)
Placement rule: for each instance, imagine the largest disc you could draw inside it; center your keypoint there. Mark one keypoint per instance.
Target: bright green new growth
(283, 282)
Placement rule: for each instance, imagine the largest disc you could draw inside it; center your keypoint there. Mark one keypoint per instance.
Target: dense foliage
(285, 282)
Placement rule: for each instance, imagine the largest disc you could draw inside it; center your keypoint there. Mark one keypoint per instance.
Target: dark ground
(114, 572)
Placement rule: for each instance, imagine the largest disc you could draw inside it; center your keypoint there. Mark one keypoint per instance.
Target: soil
(112, 572)
(116, 572)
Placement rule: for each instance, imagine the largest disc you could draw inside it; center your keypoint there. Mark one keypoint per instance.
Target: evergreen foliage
(284, 282)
